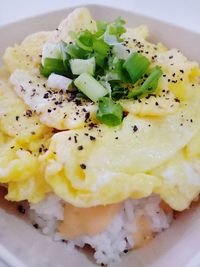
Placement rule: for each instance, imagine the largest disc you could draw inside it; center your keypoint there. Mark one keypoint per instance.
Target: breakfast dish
(99, 134)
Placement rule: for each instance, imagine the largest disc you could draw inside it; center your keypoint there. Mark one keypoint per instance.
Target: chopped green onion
(101, 47)
(101, 27)
(90, 87)
(51, 50)
(74, 51)
(100, 60)
(52, 65)
(85, 40)
(65, 58)
(119, 92)
(58, 82)
(79, 66)
(63, 47)
(109, 112)
(136, 65)
(117, 71)
(149, 85)
(113, 32)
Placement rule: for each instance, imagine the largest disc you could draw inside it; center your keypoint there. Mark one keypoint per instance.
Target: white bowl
(23, 246)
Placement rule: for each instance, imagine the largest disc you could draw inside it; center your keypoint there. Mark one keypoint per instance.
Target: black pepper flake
(126, 251)
(86, 134)
(49, 110)
(182, 71)
(77, 102)
(92, 138)
(11, 147)
(21, 209)
(156, 103)
(69, 138)
(46, 95)
(92, 125)
(75, 139)
(83, 166)
(170, 57)
(176, 100)
(22, 88)
(80, 147)
(116, 137)
(135, 128)
(17, 118)
(36, 226)
(181, 124)
(28, 113)
(87, 115)
(191, 120)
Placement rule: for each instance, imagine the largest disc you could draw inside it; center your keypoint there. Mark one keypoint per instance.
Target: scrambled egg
(155, 150)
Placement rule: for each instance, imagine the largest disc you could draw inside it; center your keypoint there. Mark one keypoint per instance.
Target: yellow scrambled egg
(155, 150)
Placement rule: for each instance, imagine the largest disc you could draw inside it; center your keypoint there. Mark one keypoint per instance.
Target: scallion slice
(58, 82)
(79, 66)
(90, 87)
(74, 51)
(136, 65)
(149, 85)
(109, 112)
(52, 65)
(51, 50)
(85, 40)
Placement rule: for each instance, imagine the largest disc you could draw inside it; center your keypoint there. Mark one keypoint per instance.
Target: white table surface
(185, 13)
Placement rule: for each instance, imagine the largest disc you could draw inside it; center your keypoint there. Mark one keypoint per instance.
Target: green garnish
(84, 40)
(114, 31)
(74, 51)
(90, 87)
(118, 91)
(136, 65)
(52, 65)
(79, 66)
(149, 85)
(109, 112)
(105, 66)
(117, 71)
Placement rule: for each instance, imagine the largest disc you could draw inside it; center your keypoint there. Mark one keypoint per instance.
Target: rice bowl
(130, 212)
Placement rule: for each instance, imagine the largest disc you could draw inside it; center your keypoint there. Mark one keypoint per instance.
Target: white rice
(117, 238)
